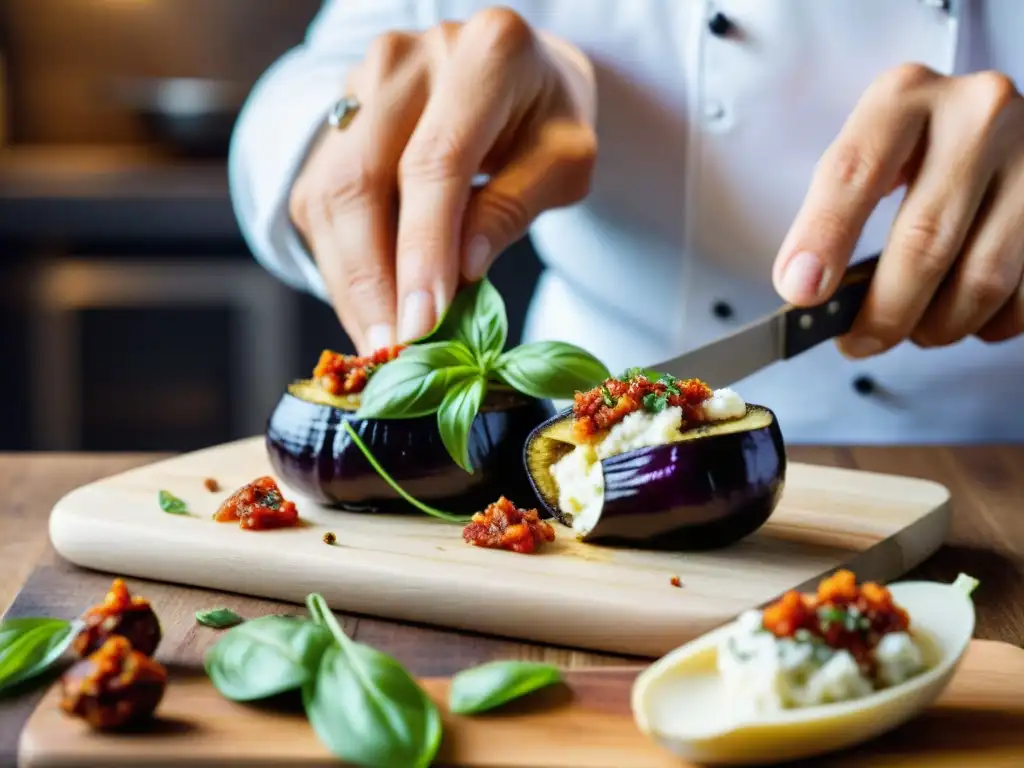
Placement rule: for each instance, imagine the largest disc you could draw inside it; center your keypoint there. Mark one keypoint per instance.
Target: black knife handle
(807, 327)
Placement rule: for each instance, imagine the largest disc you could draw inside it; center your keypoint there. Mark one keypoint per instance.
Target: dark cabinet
(134, 349)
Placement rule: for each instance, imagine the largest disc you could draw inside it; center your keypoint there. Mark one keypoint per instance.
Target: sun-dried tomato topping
(505, 526)
(120, 613)
(606, 405)
(117, 600)
(113, 686)
(347, 374)
(841, 613)
(258, 506)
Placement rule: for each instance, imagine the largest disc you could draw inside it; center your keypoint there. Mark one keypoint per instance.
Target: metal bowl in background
(193, 117)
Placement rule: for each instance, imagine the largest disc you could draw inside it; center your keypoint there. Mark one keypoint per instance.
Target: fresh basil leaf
(455, 417)
(477, 318)
(172, 504)
(365, 707)
(368, 711)
(28, 647)
(440, 354)
(550, 369)
(408, 388)
(490, 685)
(266, 656)
(219, 618)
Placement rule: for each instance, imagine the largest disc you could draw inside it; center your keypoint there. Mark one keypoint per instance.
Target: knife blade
(781, 335)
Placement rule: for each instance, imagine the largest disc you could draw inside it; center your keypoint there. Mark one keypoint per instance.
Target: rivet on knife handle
(807, 327)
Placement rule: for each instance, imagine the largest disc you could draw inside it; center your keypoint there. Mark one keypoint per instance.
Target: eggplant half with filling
(653, 461)
(311, 451)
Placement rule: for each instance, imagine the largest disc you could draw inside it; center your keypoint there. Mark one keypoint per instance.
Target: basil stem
(219, 618)
(29, 647)
(490, 685)
(364, 706)
(433, 512)
(265, 657)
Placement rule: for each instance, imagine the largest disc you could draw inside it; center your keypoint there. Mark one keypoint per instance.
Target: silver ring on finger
(342, 112)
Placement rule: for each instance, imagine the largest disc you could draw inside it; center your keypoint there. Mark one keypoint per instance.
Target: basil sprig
(29, 647)
(450, 371)
(490, 685)
(364, 706)
(360, 702)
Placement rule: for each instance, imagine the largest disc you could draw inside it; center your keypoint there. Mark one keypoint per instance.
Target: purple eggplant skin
(700, 494)
(312, 453)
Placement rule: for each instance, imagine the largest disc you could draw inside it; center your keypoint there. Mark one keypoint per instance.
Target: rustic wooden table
(987, 484)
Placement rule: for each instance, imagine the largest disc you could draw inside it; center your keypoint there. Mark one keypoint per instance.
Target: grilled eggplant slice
(711, 485)
(312, 453)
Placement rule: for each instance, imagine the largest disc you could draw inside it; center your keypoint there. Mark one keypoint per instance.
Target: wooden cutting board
(978, 722)
(416, 568)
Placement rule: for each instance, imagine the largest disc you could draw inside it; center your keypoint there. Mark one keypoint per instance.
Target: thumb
(551, 173)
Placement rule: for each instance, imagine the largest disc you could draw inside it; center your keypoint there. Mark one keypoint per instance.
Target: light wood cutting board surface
(978, 722)
(418, 569)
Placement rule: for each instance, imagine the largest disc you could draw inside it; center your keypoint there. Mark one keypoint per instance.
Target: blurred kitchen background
(133, 315)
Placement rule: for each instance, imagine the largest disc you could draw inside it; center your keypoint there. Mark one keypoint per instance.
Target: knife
(782, 335)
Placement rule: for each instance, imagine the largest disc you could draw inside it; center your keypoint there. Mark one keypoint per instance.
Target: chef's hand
(386, 205)
(953, 263)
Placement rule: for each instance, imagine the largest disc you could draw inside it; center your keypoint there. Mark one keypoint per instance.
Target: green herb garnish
(850, 619)
(265, 657)
(365, 707)
(29, 647)
(490, 685)
(449, 371)
(171, 504)
(219, 618)
(361, 703)
(606, 395)
(634, 373)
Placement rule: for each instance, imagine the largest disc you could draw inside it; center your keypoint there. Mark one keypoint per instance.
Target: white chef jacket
(706, 146)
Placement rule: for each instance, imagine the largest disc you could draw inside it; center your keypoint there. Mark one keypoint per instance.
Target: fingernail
(418, 315)
(804, 277)
(861, 346)
(380, 335)
(477, 254)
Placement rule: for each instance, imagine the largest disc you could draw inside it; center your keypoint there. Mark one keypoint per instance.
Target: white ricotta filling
(578, 475)
(766, 673)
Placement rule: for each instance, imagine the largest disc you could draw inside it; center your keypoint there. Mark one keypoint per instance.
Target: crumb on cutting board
(330, 538)
(675, 582)
(211, 484)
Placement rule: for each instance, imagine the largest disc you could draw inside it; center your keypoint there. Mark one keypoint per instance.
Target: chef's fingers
(863, 165)
(1008, 322)
(482, 85)
(552, 172)
(985, 277)
(941, 209)
(349, 207)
